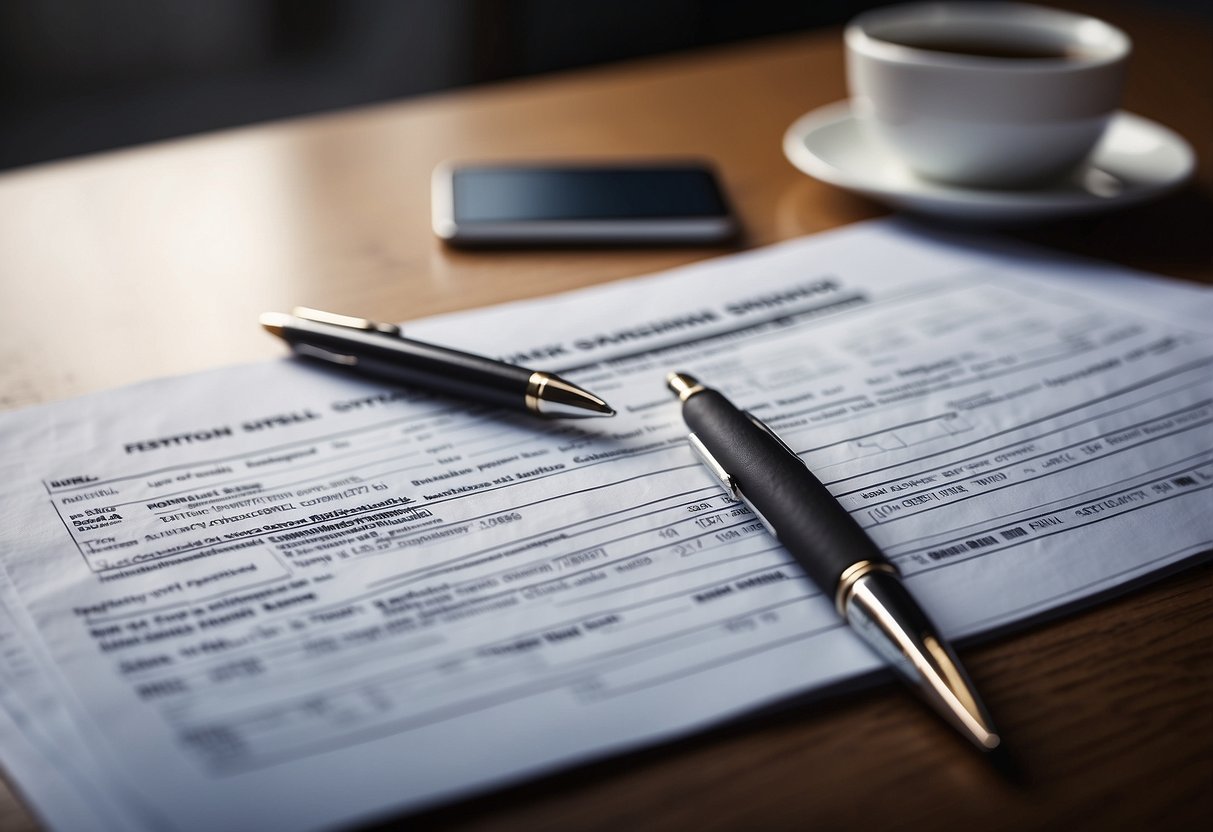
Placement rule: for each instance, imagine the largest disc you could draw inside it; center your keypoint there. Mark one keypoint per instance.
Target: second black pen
(381, 351)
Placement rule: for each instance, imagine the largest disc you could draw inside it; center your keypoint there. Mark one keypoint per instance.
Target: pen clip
(348, 321)
(709, 461)
(727, 479)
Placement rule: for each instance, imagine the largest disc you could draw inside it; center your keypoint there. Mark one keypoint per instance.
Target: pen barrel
(811, 524)
(415, 363)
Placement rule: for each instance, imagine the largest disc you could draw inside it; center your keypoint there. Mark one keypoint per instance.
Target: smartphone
(564, 204)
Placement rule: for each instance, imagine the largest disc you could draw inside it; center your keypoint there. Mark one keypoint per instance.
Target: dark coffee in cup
(991, 48)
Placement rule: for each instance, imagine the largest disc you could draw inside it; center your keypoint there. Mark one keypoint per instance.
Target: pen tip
(274, 322)
(590, 406)
(550, 395)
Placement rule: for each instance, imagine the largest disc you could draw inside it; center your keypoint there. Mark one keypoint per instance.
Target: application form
(275, 596)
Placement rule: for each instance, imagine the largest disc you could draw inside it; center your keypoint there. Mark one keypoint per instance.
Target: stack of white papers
(275, 596)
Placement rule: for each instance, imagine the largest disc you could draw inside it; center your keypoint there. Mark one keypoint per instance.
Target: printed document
(279, 596)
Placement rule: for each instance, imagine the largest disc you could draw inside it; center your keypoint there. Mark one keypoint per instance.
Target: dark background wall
(78, 76)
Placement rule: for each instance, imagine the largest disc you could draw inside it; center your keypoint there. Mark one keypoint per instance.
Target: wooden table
(156, 260)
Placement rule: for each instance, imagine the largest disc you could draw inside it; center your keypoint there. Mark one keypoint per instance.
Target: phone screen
(646, 203)
(526, 194)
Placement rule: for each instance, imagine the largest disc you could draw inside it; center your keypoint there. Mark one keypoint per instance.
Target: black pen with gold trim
(757, 467)
(381, 351)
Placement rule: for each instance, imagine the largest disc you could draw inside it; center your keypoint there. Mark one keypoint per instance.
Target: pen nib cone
(274, 322)
(553, 396)
(884, 615)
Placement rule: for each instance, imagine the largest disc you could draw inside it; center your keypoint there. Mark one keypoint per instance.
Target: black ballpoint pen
(835, 552)
(381, 351)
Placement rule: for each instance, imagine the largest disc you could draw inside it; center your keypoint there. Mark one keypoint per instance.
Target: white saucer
(1136, 160)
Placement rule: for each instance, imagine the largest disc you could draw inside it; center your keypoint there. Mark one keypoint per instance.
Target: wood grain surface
(156, 261)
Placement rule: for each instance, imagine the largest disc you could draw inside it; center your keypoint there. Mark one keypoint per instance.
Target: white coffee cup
(951, 90)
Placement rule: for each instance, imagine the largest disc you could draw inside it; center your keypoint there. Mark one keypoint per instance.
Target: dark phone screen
(513, 194)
